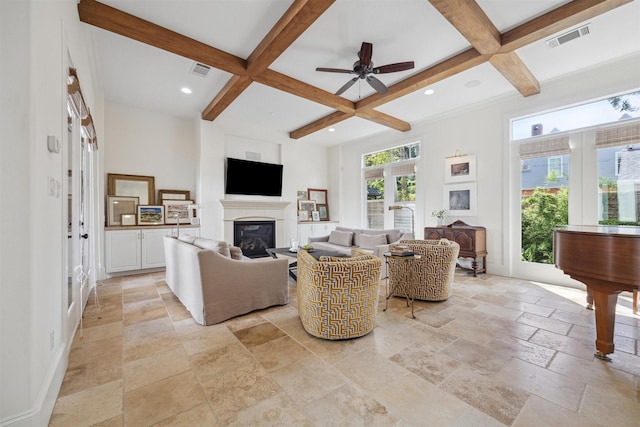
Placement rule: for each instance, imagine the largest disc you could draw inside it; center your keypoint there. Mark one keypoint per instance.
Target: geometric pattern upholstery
(338, 296)
(432, 273)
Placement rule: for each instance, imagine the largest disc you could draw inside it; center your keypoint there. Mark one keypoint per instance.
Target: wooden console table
(472, 241)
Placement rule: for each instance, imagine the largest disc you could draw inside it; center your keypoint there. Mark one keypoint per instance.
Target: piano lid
(624, 230)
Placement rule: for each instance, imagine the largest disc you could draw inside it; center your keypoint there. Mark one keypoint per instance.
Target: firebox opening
(254, 237)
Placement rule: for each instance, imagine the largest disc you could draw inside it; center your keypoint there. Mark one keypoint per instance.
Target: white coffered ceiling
(140, 75)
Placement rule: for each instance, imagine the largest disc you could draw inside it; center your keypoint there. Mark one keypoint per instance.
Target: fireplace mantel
(253, 210)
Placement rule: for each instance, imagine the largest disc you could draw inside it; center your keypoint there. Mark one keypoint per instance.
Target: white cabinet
(314, 229)
(138, 248)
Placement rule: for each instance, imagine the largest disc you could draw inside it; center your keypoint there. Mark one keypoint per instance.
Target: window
(554, 166)
(390, 179)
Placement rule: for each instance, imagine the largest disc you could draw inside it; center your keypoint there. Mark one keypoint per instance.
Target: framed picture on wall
(461, 199)
(460, 168)
(173, 195)
(140, 186)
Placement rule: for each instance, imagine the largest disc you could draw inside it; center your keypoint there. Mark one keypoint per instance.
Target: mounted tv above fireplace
(253, 178)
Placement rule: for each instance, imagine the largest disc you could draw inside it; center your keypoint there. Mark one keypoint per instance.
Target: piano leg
(605, 303)
(589, 299)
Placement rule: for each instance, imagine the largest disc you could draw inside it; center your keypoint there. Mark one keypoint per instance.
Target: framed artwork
(118, 206)
(461, 199)
(128, 219)
(460, 168)
(177, 211)
(323, 211)
(306, 205)
(303, 216)
(301, 195)
(140, 186)
(173, 195)
(150, 215)
(315, 215)
(320, 196)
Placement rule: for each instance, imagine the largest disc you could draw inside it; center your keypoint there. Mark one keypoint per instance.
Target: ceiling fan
(364, 69)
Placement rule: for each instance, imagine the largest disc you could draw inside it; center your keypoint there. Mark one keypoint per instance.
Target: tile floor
(499, 352)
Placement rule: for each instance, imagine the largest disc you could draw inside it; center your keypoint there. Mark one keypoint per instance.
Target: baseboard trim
(40, 414)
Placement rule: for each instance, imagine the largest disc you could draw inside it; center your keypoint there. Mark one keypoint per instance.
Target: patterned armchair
(338, 297)
(433, 275)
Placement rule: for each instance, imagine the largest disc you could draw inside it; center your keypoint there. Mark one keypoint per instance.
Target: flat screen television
(253, 178)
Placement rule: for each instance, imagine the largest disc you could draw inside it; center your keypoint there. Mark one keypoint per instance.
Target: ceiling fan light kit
(364, 70)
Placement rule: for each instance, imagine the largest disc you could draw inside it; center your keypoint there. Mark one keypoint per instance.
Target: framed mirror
(139, 186)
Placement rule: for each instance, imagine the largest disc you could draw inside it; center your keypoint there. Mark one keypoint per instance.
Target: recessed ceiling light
(472, 83)
(429, 92)
(185, 90)
(332, 129)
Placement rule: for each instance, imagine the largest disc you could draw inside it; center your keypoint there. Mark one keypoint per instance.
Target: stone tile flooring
(499, 352)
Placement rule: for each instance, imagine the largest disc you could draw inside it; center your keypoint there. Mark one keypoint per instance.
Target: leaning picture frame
(318, 195)
(140, 186)
(460, 168)
(177, 211)
(150, 215)
(118, 206)
(315, 215)
(306, 205)
(461, 199)
(127, 219)
(323, 212)
(303, 216)
(173, 195)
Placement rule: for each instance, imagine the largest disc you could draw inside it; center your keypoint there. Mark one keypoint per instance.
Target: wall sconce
(398, 207)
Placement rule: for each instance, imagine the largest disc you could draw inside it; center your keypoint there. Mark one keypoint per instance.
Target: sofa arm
(319, 239)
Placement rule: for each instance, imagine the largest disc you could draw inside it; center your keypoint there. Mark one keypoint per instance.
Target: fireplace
(253, 237)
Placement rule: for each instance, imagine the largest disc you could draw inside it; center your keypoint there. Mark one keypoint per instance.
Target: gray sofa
(215, 282)
(343, 239)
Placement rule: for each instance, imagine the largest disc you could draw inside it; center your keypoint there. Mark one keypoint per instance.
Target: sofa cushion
(370, 241)
(214, 245)
(342, 238)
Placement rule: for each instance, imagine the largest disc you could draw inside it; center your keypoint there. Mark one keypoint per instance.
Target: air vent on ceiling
(200, 69)
(567, 37)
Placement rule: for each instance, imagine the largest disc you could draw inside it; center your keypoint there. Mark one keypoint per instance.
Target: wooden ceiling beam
(293, 23)
(234, 87)
(119, 22)
(384, 120)
(552, 22)
(330, 120)
(513, 69)
(470, 21)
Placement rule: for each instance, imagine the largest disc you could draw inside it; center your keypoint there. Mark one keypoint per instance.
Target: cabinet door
(153, 248)
(122, 250)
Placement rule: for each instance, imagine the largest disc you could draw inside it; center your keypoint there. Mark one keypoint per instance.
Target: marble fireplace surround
(254, 210)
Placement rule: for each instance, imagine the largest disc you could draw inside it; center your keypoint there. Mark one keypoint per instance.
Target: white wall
(484, 131)
(140, 142)
(36, 37)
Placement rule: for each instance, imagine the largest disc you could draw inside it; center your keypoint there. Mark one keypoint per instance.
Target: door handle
(84, 236)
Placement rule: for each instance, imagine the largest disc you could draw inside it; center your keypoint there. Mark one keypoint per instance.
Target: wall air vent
(567, 37)
(200, 69)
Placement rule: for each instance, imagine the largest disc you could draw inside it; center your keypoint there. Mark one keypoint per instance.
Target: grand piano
(607, 260)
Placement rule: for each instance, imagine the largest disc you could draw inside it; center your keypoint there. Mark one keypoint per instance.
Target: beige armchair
(433, 274)
(338, 297)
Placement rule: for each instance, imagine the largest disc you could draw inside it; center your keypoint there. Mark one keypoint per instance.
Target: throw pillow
(236, 252)
(370, 241)
(214, 245)
(341, 238)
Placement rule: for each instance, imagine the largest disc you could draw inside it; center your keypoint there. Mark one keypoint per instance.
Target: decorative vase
(439, 221)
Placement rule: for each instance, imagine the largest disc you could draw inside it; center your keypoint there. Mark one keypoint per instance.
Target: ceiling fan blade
(392, 68)
(376, 84)
(347, 86)
(334, 70)
(366, 50)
